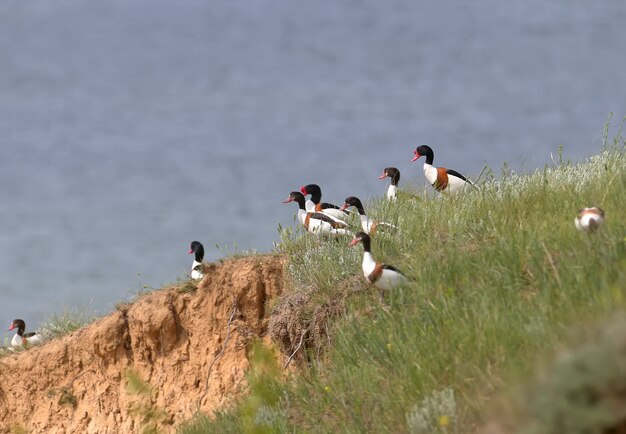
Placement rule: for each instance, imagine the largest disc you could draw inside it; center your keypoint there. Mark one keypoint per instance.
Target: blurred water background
(129, 128)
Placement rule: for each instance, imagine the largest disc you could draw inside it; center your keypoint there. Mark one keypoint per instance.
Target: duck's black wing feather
(328, 219)
(325, 205)
(457, 174)
(391, 267)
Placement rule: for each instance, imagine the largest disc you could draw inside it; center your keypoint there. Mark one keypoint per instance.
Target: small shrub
(434, 414)
(66, 396)
(65, 322)
(584, 390)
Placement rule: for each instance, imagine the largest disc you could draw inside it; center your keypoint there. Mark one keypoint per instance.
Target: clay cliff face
(170, 340)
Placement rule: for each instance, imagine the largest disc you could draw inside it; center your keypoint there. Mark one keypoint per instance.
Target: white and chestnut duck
(440, 178)
(316, 222)
(589, 219)
(369, 226)
(21, 339)
(314, 204)
(196, 267)
(382, 276)
(394, 174)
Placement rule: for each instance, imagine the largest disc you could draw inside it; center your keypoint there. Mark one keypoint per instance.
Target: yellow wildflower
(444, 421)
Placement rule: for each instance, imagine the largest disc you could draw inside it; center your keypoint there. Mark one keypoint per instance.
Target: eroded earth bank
(159, 355)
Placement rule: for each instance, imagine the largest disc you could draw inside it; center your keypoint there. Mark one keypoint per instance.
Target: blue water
(129, 128)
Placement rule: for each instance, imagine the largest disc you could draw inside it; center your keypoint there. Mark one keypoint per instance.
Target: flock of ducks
(322, 218)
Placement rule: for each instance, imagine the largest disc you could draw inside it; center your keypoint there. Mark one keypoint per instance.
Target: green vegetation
(261, 412)
(584, 390)
(66, 322)
(18, 429)
(186, 284)
(66, 396)
(233, 252)
(150, 418)
(499, 278)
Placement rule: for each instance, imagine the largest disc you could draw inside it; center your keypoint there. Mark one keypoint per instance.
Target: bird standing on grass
(394, 174)
(315, 204)
(21, 339)
(440, 178)
(369, 226)
(316, 222)
(589, 219)
(382, 276)
(196, 266)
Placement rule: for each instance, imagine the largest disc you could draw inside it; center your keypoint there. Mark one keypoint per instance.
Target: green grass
(59, 324)
(499, 279)
(582, 391)
(66, 322)
(233, 252)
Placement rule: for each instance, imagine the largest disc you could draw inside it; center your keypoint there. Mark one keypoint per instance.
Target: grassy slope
(499, 276)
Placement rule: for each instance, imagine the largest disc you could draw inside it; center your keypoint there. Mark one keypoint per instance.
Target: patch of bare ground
(174, 341)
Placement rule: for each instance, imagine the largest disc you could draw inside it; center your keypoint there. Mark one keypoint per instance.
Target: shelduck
(440, 178)
(316, 222)
(382, 276)
(589, 219)
(314, 204)
(369, 226)
(196, 267)
(21, 339)
(394, 174)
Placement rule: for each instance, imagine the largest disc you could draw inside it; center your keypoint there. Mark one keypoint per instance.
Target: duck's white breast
(430, 172)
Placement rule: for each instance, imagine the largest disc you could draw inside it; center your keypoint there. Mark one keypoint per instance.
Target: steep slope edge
(77, 384)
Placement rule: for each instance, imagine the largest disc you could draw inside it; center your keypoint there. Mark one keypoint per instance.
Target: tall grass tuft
(65, 322)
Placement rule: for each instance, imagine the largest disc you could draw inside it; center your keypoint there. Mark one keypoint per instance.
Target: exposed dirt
(170, 340)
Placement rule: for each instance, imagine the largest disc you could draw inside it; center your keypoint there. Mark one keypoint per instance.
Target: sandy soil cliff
(170, 340)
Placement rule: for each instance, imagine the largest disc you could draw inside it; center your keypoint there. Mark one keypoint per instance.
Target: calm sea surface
(129, 128)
